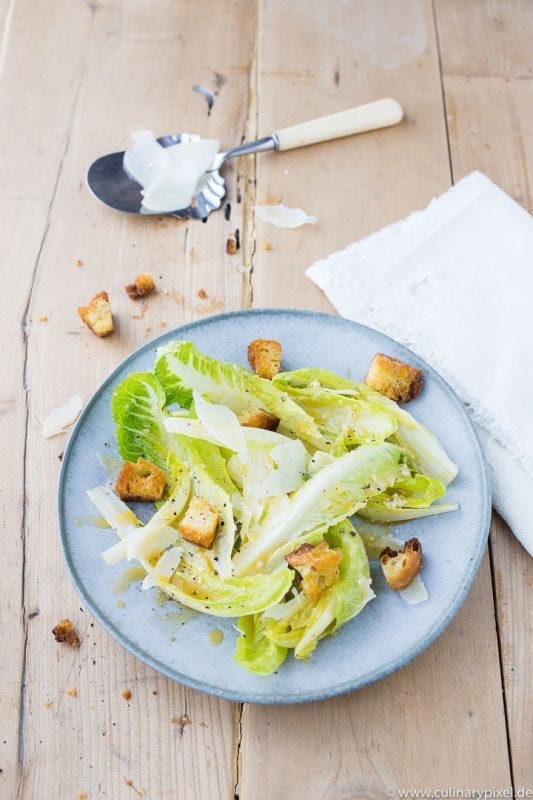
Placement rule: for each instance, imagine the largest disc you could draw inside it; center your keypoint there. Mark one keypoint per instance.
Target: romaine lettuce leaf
(343, 420)
(337, 491)
(254, 650)
(428, 455)
(406, 499)
(137, 408)
(195, 585)
(180, 368)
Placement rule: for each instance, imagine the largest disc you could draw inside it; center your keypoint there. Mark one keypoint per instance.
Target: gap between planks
(25, 389)
(490, 550)
(249, 246)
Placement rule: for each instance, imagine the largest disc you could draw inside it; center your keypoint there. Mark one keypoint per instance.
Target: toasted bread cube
(142, 481)
(394, 379)
(200, 523)
(257, 418)
(401, 567)
(97, 315)
(64, 632)
(142, 286)
(318, 565)
(264, 356)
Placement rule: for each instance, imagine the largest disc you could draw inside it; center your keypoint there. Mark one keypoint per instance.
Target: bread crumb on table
(97, 315)
(126, 694)
(142, 286)
(202, 294)
(266, 246)
(64, 632)
(78, 262)
(231, 246)
(72, 692)
(42, 318)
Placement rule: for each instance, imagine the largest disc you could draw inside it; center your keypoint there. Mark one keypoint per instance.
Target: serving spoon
(110, 184)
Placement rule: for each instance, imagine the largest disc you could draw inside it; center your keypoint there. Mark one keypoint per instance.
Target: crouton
(264, 356)
(400, 567)
(200, 523)
(64, 632)
(257, 418)
(142, 286)
(318, 565)
(142, 481)
(394, 379)
(97, 315)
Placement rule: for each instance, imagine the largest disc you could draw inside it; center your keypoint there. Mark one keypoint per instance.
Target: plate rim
(277, 698)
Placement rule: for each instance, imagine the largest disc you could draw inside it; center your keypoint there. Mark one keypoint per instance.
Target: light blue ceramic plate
(388, 633)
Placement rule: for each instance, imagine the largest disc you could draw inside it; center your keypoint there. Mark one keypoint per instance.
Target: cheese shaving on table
(284, 217)
(62, 416)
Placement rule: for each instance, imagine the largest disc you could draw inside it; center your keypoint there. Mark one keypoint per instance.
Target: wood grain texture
(427, 726)
(491, 130)
(100, 90)
(75, 80)
(358, 184)
(486, 37)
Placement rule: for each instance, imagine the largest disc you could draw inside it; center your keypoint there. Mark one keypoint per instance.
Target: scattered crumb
(97, 315)
(42, 318)
(155, 692)
(72, 692)
(120, 604)
(269, 200)
(60, 456)
(266, 246)
(64, 632)
(163, 324)
(142, 286)
(126, 694)
(48, 704)
(202, 294)
(129, 782)
(231, 246)
(148, 331)
(78, 262)
(82, 796)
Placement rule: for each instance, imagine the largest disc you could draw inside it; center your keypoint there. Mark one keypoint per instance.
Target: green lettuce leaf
(352, 592)
(428, 455)
(195, 585)
(408, 498)
(254, 650)
(137, 409)
(335, 492)
(344, 421)
(180, 368)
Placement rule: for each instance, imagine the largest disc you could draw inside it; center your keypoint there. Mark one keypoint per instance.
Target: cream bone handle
(368, 117)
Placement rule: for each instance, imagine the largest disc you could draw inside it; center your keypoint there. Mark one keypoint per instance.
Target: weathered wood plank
(491, 130)
(118, 67)
(440, 721)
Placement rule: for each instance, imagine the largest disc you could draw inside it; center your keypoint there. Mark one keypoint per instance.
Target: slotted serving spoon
(110, 184)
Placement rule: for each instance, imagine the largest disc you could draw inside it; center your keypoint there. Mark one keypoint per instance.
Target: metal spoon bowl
(111, 184)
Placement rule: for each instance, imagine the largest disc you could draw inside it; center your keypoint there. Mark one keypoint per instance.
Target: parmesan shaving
(170, 176)
(62, 416)
(284, 217)
(415, 593)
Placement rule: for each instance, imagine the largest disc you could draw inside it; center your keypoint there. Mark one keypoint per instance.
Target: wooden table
(76, 79)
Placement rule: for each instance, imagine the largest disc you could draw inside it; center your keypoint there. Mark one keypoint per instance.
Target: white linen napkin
(454, 282)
